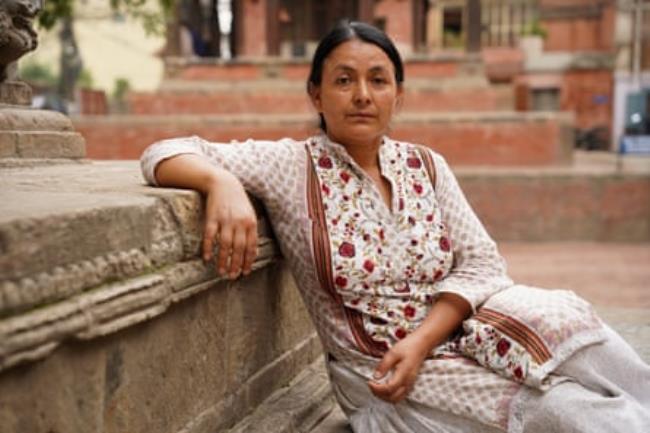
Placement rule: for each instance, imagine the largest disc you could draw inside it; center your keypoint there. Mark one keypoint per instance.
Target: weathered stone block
(25, 119)
(15, 93)
(7, 145)
(167, 371)
(62, 394)
(50, 145)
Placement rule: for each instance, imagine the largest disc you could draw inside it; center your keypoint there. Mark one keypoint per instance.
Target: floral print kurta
(369, 272)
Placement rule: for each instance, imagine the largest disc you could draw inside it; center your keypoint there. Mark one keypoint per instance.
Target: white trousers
(608, 392)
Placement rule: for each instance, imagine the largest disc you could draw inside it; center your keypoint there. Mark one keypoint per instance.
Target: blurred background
(145, 58)
(541, 106)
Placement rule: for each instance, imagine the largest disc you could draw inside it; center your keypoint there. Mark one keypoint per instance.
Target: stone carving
(17, 37)
(106, 308)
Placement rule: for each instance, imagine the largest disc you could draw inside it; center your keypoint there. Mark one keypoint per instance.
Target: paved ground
(614, 277)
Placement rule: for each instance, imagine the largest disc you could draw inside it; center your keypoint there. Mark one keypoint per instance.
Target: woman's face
(358, 93)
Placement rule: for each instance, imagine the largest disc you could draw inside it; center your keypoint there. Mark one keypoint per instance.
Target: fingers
(225, 247)
(237, 247)
(209, 234)
(230, 221)
(251, 250)
(238, 250)
(399, 384)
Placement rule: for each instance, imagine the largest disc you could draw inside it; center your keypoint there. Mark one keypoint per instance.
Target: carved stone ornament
(17, 37)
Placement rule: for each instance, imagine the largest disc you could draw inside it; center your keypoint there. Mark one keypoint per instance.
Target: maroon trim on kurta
(516, 330)
(425, 154)
(323, 263)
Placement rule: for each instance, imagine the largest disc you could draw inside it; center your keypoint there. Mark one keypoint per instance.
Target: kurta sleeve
(478, 271)
(262, 166)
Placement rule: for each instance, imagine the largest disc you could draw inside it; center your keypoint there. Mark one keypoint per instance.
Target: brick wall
(576, 33)
(472, 139)
(399, 22)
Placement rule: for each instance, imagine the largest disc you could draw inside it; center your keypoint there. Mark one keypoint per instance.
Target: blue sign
(637, 144)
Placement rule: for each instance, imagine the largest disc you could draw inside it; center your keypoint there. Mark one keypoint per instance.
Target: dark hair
(344, 31)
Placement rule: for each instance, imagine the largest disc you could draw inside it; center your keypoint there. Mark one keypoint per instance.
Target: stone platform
(110, 321)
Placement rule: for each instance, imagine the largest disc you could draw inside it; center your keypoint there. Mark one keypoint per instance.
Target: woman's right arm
(223, 173)
(230, 218)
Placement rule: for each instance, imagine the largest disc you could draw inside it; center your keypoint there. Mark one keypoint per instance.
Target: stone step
(433, 67)
(299, 407)
(27, 134)
(473, 138)
(293, 100)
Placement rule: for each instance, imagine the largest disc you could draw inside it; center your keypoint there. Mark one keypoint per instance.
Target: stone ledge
(38, 144)
(85, 251)
(26, 119)
(297, 408)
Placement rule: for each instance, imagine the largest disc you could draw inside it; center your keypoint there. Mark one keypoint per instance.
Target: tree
(153, 22)
(55, 11)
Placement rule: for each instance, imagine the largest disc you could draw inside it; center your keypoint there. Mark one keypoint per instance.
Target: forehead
(359, 55)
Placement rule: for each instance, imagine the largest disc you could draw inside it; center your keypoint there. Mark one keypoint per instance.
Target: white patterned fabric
(369, 273)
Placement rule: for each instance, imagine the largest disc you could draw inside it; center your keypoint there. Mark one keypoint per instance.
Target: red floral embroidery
(400, 333)
(519, 373)
(502, 347)
(369, 266)
(341, 281)
(326, 189)
(345, 176)
(437, 275)
(401, 204)
(409, 311)
(413, 162)
(346, 249)
(417, 188)
(430, 217)
(445, 245)
(325, 162)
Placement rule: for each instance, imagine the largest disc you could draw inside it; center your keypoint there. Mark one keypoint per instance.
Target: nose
(362, 93)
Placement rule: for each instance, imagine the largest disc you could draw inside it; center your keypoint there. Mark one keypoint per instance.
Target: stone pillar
(473, 26)
(27, 136)
(272, 28)
(434, 26)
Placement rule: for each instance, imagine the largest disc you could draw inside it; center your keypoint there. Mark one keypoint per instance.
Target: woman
(423, 329)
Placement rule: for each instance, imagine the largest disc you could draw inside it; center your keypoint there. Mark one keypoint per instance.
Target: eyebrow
(348, 68)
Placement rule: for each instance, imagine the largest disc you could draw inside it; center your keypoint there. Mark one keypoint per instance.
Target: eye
(342, 80)
(379, 80)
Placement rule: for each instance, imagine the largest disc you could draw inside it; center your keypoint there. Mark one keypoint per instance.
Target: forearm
(188, 171)
(446, 315)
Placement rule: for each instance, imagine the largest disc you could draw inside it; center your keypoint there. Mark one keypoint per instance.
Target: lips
(366, 116)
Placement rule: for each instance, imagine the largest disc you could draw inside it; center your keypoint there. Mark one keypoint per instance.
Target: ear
(314, 95)
(399, 98)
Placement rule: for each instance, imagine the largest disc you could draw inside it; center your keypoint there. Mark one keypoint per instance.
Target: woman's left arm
(406, 356)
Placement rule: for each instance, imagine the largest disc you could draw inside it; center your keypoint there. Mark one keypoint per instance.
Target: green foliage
(153, 21)
(38, 73)
(534, 28)
(86, 80)
(53, 11)
(120, 88)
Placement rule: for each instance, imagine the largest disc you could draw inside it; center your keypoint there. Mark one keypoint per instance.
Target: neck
(365, 154)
